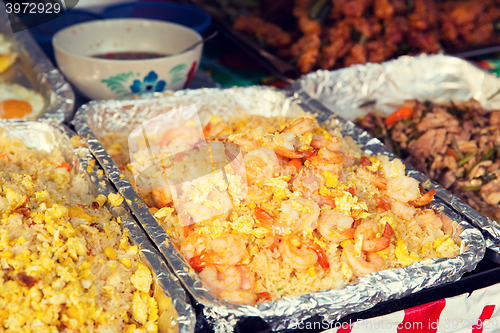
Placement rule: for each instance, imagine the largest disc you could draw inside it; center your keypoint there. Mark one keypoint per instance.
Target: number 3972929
(33, 8)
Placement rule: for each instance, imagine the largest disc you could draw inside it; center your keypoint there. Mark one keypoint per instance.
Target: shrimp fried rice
(298, 209)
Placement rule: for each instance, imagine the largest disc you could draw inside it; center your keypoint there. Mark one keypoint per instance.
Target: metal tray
(34, 70)
(282, 68)
(118, 116)
(347, 92)
(175, 311)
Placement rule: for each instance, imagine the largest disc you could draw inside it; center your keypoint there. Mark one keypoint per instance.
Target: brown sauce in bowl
(129, 55)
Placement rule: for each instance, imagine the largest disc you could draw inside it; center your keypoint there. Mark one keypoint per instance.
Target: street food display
(304, 210)
(454, 143)
(318, 34)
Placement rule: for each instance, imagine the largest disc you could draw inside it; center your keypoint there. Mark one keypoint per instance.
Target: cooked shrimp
(193, 245)
(239, 297)
(403, 210)
(334, 144)
(368, 230)
(372, 178)
(360, 265)
(162, 197)
(393, 169)
(268, 221)
(258, 194)
(306, 183)
(247, 278)
(216, 129)
(335, 227)
(183, 136)
(300, 126)
(403, 189)
(297, 254)
(300, 213)
(261, 164)
(384, 203)
(326, 160)
(219, 280)
(292, 153)
(427, 218)
(245, 143)
(225, 250)
(424, 199)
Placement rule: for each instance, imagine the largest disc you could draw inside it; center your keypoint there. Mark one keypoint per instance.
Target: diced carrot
(5, 156)
(67, 166)
(352, 190)
(399, 114)
(122, 168)
(453, 153)
(81, 206)
(296, 163)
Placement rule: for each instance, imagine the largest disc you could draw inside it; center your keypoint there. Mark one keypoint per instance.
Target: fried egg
(19, 102)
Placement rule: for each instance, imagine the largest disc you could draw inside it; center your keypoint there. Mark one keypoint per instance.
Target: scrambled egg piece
(115, 199)
(142, 278)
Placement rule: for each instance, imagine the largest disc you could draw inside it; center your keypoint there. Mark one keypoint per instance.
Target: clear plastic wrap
(175, 311)
(98, 118)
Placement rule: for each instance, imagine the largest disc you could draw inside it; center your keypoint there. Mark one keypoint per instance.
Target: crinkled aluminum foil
(100, 117)
(385, 86)
(175, 311)
(40, 72)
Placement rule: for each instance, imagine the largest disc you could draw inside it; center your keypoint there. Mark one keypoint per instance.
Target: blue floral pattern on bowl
(122, 83)
(149, 84)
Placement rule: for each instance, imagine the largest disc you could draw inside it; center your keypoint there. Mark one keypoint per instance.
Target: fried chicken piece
(331, 52)
(307, 49)
(357, 55)
(272, 34)
(383, 9)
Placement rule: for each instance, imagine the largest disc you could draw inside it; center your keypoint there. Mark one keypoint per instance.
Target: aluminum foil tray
(175, 312)
(358, 90)
(98, 118)
(34, 70)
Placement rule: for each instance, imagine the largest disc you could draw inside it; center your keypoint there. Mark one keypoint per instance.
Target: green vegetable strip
(454, 145)
(486, 157)
(467, 158)
(471, 188)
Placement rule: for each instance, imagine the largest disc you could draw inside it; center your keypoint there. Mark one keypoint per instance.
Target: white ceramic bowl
(97, 78)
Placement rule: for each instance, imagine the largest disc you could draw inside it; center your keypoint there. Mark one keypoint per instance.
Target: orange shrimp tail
(263, 296)
(292, 153)
(424, 199)
(365, 161)
(262, 216)
(322, 258)
(206, 129)
(296, 163)
(197, 263)
(329, 201)
(349, 233)
(383, 203)
(388, 232)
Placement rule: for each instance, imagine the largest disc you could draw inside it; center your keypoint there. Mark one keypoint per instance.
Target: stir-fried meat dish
(456, 144)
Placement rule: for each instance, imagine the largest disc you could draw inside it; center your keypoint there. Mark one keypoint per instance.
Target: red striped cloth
(477, 312)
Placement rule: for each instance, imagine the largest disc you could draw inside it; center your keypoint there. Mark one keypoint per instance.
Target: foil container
(34, 70)
(358, 90)
(101, 117)
(176, 314)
